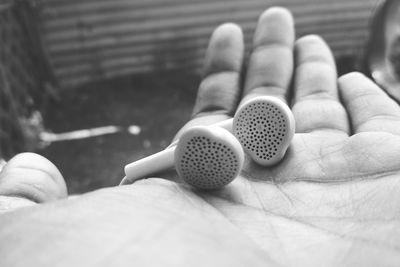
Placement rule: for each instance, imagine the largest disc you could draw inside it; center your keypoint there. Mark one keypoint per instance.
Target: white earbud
(264, 126)
(206, 157)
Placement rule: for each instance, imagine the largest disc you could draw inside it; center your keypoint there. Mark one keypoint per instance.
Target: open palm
(340, 180)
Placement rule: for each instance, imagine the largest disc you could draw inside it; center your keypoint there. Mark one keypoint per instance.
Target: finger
(270, 66)
(316, 98)
(32, 177)
(369, 108)
(219, 89)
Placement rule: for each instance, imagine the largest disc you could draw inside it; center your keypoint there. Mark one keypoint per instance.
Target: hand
(333, 201)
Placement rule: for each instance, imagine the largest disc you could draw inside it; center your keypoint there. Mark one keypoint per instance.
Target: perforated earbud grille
(208, 163)
(262, 128)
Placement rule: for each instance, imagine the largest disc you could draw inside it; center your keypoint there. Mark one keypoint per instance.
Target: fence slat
(83, 37)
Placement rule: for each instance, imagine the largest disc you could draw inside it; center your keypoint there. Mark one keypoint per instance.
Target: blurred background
(95, 84)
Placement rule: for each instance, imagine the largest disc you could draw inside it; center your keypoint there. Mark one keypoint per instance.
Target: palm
(288, 220)
(337, 158)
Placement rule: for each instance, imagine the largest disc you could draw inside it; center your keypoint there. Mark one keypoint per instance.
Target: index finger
(219, 90)
(270, 66)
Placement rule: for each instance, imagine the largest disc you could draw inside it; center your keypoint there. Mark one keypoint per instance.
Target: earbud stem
(160, 161)
(153, 164)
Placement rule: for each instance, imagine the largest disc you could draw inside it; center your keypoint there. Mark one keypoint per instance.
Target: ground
(159, 103)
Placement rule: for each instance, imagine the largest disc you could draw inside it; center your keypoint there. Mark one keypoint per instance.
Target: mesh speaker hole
(208, 164)
(261, 128)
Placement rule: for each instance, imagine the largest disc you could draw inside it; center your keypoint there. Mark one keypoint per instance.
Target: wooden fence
(96, 39)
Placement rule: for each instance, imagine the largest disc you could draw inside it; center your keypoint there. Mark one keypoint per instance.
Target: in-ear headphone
(206, 157)
(265, 126)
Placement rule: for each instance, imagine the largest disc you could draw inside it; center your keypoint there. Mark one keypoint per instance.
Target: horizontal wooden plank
(185, 55)
(84, 28)
(107, 15)
(167, 47)
(95, 39)
(152, 38)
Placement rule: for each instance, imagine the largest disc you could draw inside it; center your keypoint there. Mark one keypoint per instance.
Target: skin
(333, 201)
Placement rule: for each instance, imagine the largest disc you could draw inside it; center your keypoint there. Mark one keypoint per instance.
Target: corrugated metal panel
(95, 39)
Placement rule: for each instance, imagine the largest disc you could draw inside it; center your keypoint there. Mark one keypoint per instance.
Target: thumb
(30, 178)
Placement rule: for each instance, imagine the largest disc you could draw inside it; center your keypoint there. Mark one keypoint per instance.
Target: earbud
(206, 157)
(264, 126)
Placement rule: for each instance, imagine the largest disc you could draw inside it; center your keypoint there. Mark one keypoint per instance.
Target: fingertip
(228, 30)
(352, 76)
(275, 23)
(225, 50)
(311, 39)
(277, 13)
(313, 48)
(34, 177)
(351, 81)
(369, 107)
(35, 161)
(354, 85)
